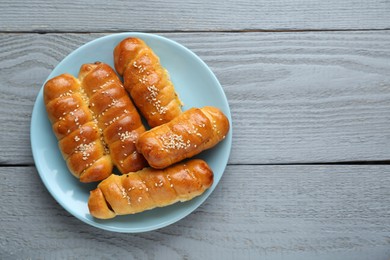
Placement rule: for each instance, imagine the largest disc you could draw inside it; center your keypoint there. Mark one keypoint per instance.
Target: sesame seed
(125, 195)
(171, 185)
(152, 99)
(76, 138)
(83, 148)
(128, 135)
(174, 141)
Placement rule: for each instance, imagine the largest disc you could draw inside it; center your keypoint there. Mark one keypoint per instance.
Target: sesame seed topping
(76, 138)
(139, 67)
(174, 141)
(125, 195)
(171, 185)
(83, 148)
(128, 135)
(143, 80)
(152, 99)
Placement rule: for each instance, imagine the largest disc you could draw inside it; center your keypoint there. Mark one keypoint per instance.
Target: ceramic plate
(197, 87)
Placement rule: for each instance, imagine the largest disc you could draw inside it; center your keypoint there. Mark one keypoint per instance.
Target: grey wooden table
(308, 83)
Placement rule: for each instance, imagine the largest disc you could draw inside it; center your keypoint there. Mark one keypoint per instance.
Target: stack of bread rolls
(96, 121)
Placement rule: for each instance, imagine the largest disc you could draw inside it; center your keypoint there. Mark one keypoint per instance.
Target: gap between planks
(198, 31)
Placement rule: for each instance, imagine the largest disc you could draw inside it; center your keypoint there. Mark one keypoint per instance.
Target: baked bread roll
(78, 134)
(115, 114)
(190, 133)
(149, 188)
(147, 81)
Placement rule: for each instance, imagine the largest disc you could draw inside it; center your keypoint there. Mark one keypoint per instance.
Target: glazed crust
(149, 188)
(147, 81)
(192, 132)
(77, 133)
(115, 114)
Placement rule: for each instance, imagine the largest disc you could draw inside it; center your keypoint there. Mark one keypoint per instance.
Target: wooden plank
(271, 212)
(175, 15)
(295, 97)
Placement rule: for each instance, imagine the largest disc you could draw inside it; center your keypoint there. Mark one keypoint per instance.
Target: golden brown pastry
(147, 81)
(115, 114)
(74, 126)
(149, 188)
(190, 133)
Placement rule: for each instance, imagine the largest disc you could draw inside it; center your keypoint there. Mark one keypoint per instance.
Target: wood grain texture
(271, 212)
(204, 15)
(295, 97)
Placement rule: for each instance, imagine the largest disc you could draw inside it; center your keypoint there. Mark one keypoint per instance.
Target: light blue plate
(197, 87)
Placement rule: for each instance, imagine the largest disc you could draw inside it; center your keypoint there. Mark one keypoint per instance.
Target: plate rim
(38, 166)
